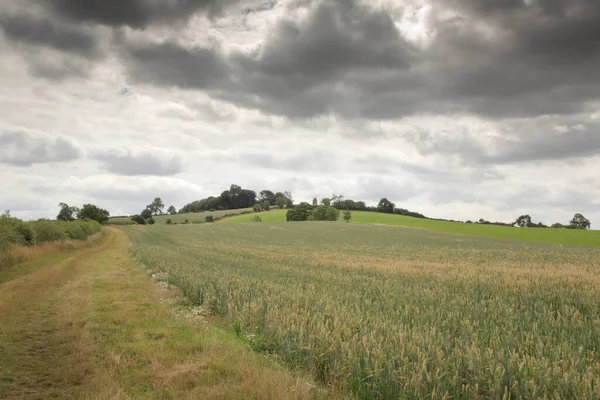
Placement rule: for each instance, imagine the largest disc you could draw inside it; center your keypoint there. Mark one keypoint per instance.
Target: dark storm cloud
(169, 64)
(266, 6)
(137, 14)
(20, 148)
(124, 162)
(25, 28)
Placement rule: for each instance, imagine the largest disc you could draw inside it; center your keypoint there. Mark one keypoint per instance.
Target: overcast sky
(460, 109)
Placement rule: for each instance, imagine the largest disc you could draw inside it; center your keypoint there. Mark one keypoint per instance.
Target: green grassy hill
(191, 217)
(561, 236)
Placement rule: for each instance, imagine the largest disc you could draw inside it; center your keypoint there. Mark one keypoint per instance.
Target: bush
(257, 218)
(187, 221)
(138, 219)
(209, 218)
(150, 221)
(74, 231)
(49, 231)
(257, 207)
(301, 212)
(13, 231)
(347, 215)
(325, 213)
(169, 222)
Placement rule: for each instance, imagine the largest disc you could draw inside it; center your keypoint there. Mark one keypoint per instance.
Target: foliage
(385, 206)
(150, 221)
(209, 218)
(579, 222)
(267, 197)
(93, 213)
(326, 201)
(67, 213)
(13, 231)
(301, 212)
(138, 219)
(257, 207)
(156, 207)
(347, 215)
(398, 313)
(325, 213)
(257, 218)
(231, 199)
(523, 221)
(171, 210)
(146, 213)
(169, 222)
(284, 200)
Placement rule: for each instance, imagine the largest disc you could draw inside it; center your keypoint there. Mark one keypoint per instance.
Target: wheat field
(389, 312)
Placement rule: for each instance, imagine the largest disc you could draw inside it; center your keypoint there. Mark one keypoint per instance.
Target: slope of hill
(561, 236)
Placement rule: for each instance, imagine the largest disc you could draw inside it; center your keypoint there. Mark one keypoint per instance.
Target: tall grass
(397, 313)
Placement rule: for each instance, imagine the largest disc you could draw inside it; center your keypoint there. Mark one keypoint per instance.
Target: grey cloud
(137, 14)
(168, 64)
(20, 148)
(145, 162)
(266, 6)
(25, 28)
(57, 68)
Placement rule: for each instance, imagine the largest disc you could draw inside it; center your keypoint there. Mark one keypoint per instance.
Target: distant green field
(191, 217)
(561, 236)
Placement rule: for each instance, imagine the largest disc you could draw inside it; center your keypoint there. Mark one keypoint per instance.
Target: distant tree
(257, 207)
(146, 213)
(558, 225)
(267, 196)
(468, 221)
(580, 222)
(66, 212)
(138, 219)
(172, 210)
(523, 221)
(385, 206)
(347, 215)
(301, 212)
(93, 212)
(325, 201)
(157, 206)
(150, 221)
(325, 213)
(284, 200)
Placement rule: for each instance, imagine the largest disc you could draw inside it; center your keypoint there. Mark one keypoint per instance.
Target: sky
(458, 109)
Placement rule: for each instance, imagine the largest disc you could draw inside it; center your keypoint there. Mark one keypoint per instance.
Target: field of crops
(192, 218)
(563, 236)
(389, 312)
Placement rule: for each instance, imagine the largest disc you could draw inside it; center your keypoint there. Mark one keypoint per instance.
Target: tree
(93, 212)
(347, 215)
(325, 201)
(171, 210)
(146, 213)
(257, 207)
(325, 213)
(301, 212)
(150, 221)
(385, 206)
(523, 221)
(157, 206)
(66, 212)
(267, 196)
(557, 225)
(284, 200)
(580, 222)
(337, 200)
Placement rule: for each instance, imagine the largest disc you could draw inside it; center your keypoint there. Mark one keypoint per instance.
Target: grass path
(93, 325)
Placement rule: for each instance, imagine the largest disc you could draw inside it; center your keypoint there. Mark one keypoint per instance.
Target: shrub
(257, 207)
(301, 212)
(138, 219)
(325, 213)
(347, 215)
(257, 218)
(74, 230)
(13, 231)
(48, 231)
(169, 222)
(209, 218)
(187, 221)
(150, 221)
